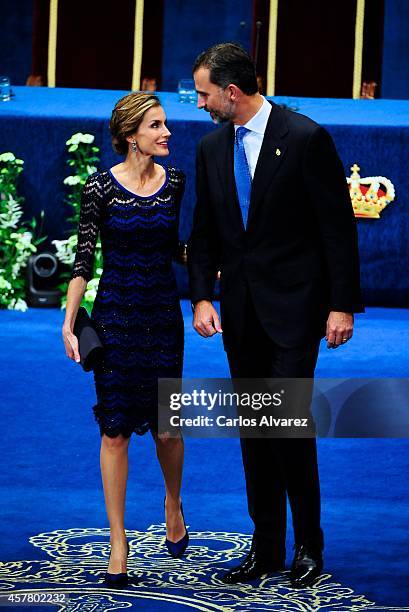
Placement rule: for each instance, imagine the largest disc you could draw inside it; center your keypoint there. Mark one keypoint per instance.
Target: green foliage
(17, 238)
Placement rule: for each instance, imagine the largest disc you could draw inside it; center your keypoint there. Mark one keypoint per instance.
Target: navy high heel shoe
(176, 549)
(117, 581)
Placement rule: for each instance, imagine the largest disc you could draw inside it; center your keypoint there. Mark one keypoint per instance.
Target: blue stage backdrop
(371, 133)
(395, 67)
(191, 27)
(16, 22)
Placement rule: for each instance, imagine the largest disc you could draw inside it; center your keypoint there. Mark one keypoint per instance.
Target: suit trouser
(277, 467)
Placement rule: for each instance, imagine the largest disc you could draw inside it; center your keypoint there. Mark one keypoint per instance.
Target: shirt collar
(258, 122)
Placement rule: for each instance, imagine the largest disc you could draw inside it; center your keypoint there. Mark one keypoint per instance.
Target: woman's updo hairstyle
(127, 116)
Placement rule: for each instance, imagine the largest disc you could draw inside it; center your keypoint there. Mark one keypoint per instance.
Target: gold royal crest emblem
(369, 195)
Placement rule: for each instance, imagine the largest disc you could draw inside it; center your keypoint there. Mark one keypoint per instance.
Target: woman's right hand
(71, 344)
(75, 293)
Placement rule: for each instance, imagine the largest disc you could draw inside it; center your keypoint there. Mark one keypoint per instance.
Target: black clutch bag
(90, 346)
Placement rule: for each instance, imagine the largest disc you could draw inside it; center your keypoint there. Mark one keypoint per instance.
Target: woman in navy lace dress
(134, 206)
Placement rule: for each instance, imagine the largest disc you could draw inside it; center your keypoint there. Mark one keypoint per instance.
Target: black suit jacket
(298, 257)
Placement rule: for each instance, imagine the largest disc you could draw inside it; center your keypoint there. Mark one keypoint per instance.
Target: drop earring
(134, 146)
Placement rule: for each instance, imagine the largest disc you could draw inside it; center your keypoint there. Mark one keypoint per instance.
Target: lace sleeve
(88, 228)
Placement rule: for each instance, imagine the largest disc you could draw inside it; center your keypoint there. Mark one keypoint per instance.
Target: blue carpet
(51, 489)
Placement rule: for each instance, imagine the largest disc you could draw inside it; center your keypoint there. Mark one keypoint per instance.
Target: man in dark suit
(273, 214)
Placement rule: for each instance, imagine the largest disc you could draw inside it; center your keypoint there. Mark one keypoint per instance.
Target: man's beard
(219, 116)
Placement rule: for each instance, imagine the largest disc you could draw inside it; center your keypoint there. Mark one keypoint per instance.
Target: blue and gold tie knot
(240, 134)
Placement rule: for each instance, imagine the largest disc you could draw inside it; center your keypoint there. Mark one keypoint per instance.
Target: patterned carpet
(77, 558)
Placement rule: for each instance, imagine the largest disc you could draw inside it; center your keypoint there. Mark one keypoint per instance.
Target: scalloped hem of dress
(120, 427)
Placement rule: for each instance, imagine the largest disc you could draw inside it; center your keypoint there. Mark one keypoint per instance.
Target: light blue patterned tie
(242, 173)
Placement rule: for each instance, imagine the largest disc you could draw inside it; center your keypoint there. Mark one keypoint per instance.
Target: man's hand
(206, 320)
(340, 326)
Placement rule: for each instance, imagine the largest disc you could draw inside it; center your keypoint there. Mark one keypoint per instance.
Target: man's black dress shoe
(306, 567)
(253, 567)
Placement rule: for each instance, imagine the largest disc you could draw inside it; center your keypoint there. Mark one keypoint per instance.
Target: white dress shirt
(254, 139)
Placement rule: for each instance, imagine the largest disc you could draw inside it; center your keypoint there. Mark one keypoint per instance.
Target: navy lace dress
(136, 311)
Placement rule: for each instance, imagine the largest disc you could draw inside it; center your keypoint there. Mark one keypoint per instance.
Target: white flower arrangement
(4, 283)
(66, 249)
(12, 212)
(16, 242)
(77, 139)
(82, 162)
(17, 304)
(91, 291)
(72, 180)
(7, 157)
(80, 137)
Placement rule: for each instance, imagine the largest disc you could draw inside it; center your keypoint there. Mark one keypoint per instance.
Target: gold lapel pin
(278, 152)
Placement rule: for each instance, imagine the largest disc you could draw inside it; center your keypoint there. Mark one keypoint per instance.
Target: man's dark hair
(229, 63)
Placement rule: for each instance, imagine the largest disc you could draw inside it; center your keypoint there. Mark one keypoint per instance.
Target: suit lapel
(271, 155)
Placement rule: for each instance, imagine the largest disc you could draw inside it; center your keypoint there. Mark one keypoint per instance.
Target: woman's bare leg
(170, 452)
(114, 471)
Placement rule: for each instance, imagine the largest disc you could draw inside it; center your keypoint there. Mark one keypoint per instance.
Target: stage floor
(53, 528)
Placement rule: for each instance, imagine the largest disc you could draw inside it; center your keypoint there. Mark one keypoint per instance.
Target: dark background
(315, 42)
